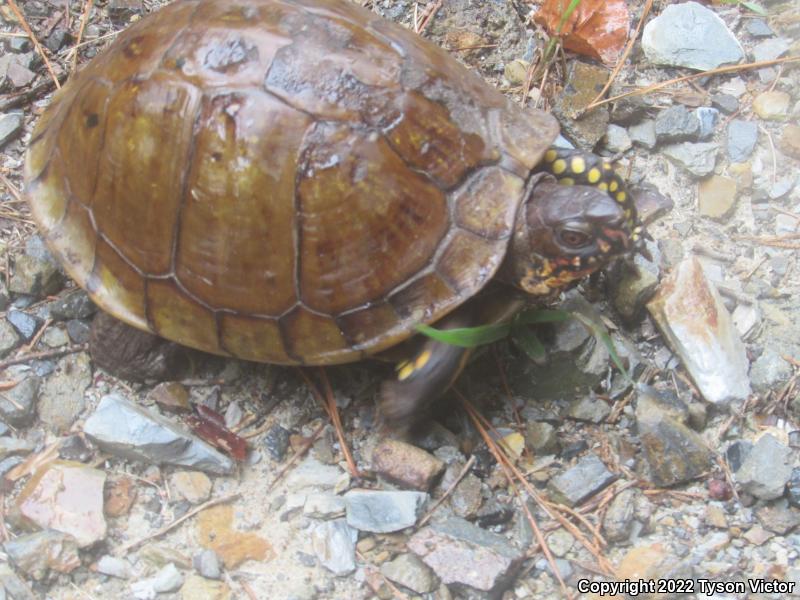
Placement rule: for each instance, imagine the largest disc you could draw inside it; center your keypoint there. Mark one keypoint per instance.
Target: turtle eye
(574, 239)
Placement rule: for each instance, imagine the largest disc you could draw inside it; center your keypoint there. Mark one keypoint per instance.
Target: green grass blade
(756, 8)
(527, 341)
(467, 337)
(566, 15)
(532, 316)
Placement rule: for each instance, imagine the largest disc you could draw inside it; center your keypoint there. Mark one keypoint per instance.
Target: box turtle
(302, 182)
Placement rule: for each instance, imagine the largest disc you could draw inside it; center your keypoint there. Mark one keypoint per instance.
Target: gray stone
(18, 404)
(58, 39)
(758, 28)
(583, 80)
(334, 544)
(125, 429)
(114, 567)
(644, 133)
(674, 453)
(793, 488)
(25, 324)
(13, 447)
(167, 579)
(698, 328)
(580, 482)
(409, 571)
(772, 105)
(78, 331)
(677, 124)
(767, 469)
(631, 290)
(690, 35)
(589, 408)
(708, 118)
(61, 396)
(19, 44)
(541, 438)
(9, 338)
(383, 511)
(769, 371)
(208, 564)
(778, 516)
(725, 102)
(10, 126)
(618, 520)
(699, 159)
(37, 553)
(463, 554)
(72, 305)
(617, 139)
(467, 498)
(770, 49)
(276, 441)
(312, 473)
(742, 138)
(324, 506)
(19, 75)
(716, 197)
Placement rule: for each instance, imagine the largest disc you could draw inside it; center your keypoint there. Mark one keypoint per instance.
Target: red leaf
(596, 28)
(210, 426)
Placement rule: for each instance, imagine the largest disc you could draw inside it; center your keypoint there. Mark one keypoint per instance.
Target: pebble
(38, 553)
(757, 535)
(121, 11)
(746, 318)
(383, 511)
(406, 465)
(725, 103)
(12, 585)
(758, 28)
(72, 305)
(192, 486)
(766, 469)
(790, 140)
(770, 49)
(78, 331)
(716, 197)
(55, 337)
(334, 544)
(589, 408)
(312, 473)
(64, 496)
(643, 133)
(583, 81)
(467, 498)
(741, 139)
(674, 453)
(170, 396)
(167, 579)
(9, 338)
(778, 517)
(769, 371)
(276, 441)
(772, 105)
(618, 519)
(324, 506)
(580, 482)
(35, 277)
(715, 516)
(698, 328)
(125, 429)
(409, 571)
(793, 488)
(10, 126)
(25, 324)
(19, 75)
(207, 563)
(690, 35)
(677, 124)
(18, 404)
(631, 291)
(114, 567)
(61, 396)
(454, 547)
(541, 438)
(617, 139)
(699, 159)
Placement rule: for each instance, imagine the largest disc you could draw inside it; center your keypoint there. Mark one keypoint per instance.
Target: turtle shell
(288, 181)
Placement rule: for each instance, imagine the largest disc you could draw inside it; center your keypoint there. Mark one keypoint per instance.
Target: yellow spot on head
(593, 176)
(422, 359)
(405, 371)
(559, 166)
(577, 164)
(606, 165)
(550, 155)
(602, 186)
(621, 197)
(612, 187)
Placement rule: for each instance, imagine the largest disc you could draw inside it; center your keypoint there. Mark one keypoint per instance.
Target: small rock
(616, 139)
(618, 519)
(643, 134)
(677, 124)
(193, 486)
(125, 429)
(19, 44)
(560, 542)
(120, 495)
(168, 579)
(198, 587)
(793, 488)
(406, 465)
(631, 291)
(461, 553)
(716, 197)
(78, 331)
(708, 118)
(19, 75)
(35, 277)
(589, 408)
(770, 49)
(37, 553)
(334, 544)
(466, 499)
(769, 371)
(516, 71)
(73, 305)
(276, 441)
(383, 511)
(582, 481)
(790, 140)
(58, 39)
(772, 105)
(25, 324)
(121, 11)
(674, 453)
(541, 438)
(215, 530)
(64, 496)
(758, 28)
(698, 327)
(18, 404)
(742, 138)
(61, 395)
(10, 126)
(55, 337)
(737, 453)
(9, 339)
(114, 567)
(207, 564)
(583, 82)
(766, 470)
(747, 317)
(725, 103)
(757, 535)
(171, 396)
(409, 571)
(715, 516)
(14, 447)
(324, 506)
(690, 35)
(646, 562)
(699, 159)
(778, 517)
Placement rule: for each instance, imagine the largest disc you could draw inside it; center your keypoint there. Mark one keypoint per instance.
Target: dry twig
(21, 18)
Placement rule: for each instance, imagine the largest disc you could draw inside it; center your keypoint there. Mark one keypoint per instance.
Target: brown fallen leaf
(119, 497)
(596, 28)
(210, 426)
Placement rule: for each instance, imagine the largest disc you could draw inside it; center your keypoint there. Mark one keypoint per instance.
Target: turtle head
(565, 232)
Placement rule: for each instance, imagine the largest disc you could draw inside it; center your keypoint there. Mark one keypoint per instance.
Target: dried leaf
(597, 28)
(119, 497)
(210, 426)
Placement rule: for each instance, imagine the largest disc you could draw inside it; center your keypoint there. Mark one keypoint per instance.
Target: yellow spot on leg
(577, 164)
(550, 155)
(593, 176)
(422, 359)
(405, 371)
(612, 187)
(559, 166)
(621, 197)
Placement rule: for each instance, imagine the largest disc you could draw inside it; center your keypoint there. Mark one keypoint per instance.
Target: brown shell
(289, 181)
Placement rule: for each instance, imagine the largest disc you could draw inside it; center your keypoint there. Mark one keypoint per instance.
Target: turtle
(302, 182)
